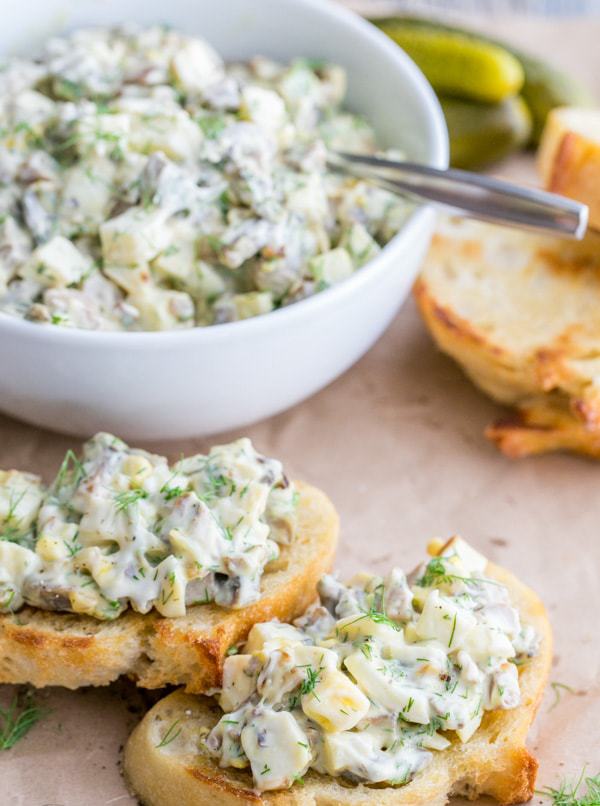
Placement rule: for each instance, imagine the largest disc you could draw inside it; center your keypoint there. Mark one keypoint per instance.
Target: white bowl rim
(15, 326)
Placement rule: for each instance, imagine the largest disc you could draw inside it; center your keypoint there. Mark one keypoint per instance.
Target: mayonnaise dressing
(145, 184)
(122, 528)
(376, 677)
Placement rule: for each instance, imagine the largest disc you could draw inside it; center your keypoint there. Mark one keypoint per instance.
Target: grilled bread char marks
(166, 764)
(45, 648)
(521, 315)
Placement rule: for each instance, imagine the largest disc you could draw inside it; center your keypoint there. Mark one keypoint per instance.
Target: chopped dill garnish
(71, 472)
(216, 485)
(125, 499)
(72, 546)
(211, 125)
(12, 529)
(558, 689)
(170, 735)
(366, 649)
(310, 682)
(18, 719)
(571, 795)
(452, 633)
(377, 617)
(308, 685)
(436, 574)
(171, 492)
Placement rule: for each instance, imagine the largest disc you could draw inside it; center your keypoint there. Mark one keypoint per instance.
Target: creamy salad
(122, 528)
(147, 185)
(376, 677)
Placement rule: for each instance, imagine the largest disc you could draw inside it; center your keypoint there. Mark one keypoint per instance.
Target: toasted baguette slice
(569, 156)
(542, 426)
(166, 765)
(58, 649)
(521, 315)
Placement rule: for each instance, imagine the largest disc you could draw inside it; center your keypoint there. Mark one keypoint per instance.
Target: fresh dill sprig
(125, 499)
(12, 530)
(436, 574)
(71, 471)
(73, 546)
(452, 633)
(571, 795)
(558, 689)
(13, 504)
(170, 735)
(310, 681)
(308, 685)
(216, 485)
(171, 492)
(376, 616)
(18, 719)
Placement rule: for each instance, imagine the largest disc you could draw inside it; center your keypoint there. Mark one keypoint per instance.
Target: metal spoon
(469, 193)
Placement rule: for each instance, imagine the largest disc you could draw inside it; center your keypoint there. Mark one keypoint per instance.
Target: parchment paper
(397, 443)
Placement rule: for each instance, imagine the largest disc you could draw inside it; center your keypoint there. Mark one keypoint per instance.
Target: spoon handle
(472, 194)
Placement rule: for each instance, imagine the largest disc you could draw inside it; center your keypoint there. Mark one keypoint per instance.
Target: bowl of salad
(177, 257)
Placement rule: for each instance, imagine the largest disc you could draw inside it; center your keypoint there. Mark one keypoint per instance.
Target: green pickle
(543, 86)
(481, 134)
(460, 65)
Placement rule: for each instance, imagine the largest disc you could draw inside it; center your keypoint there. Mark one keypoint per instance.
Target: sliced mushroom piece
(227, 590)
(39, 221)
(42, 595)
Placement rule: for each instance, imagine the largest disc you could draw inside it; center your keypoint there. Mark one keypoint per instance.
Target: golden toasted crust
(539, 428)
(521, 314)
(494, 762)
(58, 649)
(569, 156)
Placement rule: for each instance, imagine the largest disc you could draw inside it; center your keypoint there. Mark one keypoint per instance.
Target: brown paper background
(397, 443)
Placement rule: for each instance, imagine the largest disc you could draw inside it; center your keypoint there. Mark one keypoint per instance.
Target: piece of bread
(166, 771)
(521, 314)
(569, 157)
(539, 427)
(61, 649)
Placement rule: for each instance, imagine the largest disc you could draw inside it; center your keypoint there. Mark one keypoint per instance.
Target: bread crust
(494, 762)
(569, 157)
(519, 314)
(61, 649)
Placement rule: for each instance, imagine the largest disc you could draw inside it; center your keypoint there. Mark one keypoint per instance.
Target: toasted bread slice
(569, 156)
(542, 426)
(61, 649)
(166, 764)
(521, 315)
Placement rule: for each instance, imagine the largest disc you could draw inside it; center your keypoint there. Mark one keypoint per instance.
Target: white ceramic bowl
(200, 381)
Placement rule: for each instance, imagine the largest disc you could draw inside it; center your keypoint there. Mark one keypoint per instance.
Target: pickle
(481, 134)
(544, 87)
(460, 65)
